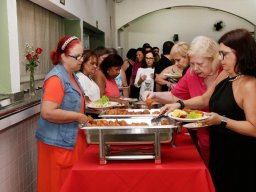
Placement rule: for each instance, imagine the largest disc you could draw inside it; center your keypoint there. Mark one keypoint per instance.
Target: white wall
(187, 22)
(88, 11)
(129, 10)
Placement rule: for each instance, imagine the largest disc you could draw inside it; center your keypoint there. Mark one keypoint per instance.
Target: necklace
(235, 77)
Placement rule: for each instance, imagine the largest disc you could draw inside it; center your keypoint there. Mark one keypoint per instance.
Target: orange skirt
(54, 163)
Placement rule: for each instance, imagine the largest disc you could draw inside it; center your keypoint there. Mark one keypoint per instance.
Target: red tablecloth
(182, 170)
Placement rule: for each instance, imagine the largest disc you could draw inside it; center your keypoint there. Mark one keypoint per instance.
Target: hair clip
(67, 42)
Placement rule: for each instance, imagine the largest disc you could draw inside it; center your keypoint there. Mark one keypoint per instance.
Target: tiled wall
(18, 157)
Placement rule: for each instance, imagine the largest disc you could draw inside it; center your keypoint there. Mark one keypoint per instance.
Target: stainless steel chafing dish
(122, 136)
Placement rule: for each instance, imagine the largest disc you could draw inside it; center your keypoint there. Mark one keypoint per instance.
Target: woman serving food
(232, 101)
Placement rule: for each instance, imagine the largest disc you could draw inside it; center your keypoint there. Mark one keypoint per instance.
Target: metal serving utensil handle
(157, 119)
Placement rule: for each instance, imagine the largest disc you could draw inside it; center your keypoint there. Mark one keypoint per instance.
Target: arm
(245, 96)
(139, 78)
(160, 97)
(125, 65)
(161, 79)
(100, 80)
(180, 91)
(124, 84)
(248, 103)
(51, 112)
(198, 102)
(158, 87)
(52, 98)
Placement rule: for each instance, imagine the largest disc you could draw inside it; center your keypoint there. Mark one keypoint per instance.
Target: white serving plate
(109, 105)
(129, 99)
(174, 76)
(188, 120)
(194, 125)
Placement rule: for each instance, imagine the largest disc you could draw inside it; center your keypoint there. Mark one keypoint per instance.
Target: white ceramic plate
(194, 125)
(175, 76)
(129, 99)
(188, 120)
(110, 104)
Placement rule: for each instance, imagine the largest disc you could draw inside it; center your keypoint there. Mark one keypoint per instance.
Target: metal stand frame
(104, 148)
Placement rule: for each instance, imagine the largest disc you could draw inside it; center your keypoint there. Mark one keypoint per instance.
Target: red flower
(39, 50)
(36, 57)
(28, 56)
(32, 57)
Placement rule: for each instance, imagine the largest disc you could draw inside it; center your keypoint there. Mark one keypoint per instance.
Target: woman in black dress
(232, 120)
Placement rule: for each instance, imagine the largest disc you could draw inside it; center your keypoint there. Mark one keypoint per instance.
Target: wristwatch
(223, 121)
(182, 105)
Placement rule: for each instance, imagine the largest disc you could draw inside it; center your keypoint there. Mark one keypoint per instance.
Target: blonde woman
(180, 59)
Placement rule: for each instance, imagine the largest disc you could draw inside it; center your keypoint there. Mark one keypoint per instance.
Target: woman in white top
(145, 74)
(87, 70)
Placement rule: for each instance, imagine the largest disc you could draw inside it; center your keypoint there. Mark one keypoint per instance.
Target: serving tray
(109, 136)
(152, 113)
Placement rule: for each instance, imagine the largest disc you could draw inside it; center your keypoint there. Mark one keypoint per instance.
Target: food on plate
(187, 113)
(102, 102)
(179, 113)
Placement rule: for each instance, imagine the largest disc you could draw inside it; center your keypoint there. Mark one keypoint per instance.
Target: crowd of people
(216, 77)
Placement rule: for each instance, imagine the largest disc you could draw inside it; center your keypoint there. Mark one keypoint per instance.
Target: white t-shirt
(91, 89)
(148, 84)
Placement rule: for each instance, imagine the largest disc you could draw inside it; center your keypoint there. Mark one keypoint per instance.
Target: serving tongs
(156, 120)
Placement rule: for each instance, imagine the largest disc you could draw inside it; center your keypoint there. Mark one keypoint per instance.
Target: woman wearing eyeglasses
(145, 75)
(232, 121)
(60, 141)
(204, 68)
(87, 71)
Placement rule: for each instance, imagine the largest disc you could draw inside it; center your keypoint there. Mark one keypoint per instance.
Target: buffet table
(182, 170)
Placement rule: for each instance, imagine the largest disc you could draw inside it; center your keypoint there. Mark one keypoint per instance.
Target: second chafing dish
(119, 135)
(109, 136)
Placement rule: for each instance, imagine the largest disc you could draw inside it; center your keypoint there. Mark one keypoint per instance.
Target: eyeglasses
(222, 54)
(78, 57)
(149, 58)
